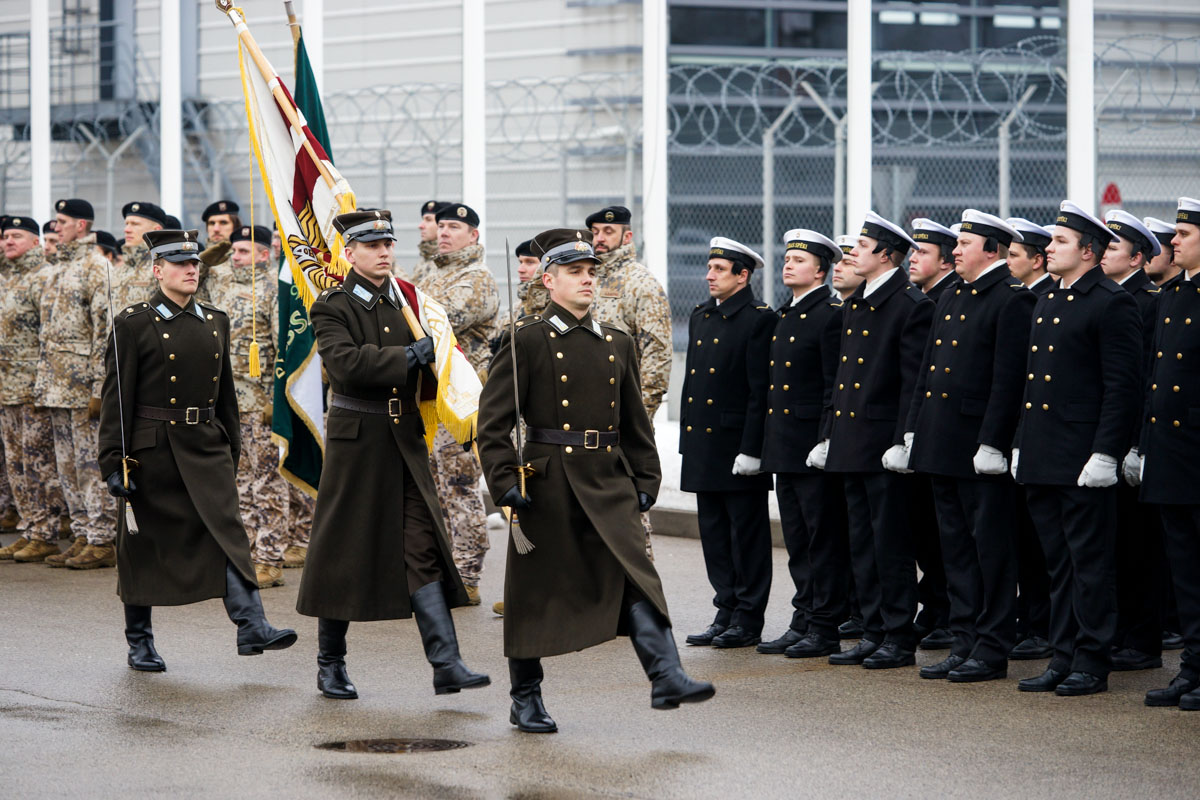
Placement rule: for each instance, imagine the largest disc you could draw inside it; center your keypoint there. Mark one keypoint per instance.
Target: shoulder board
(136, 308)
(698, 305)
(210, 306)
(1112, 287)
(1152, 289)
(837, 303)
(613, 328)
(764, 308)
(332, 290)
(529, 319)
(1017, 286)
(915, 294)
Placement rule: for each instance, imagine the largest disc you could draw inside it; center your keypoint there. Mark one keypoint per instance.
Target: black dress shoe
(1172, 640)
(1078, 684)
(706, 638)
(975, 670)
(1171, 695)
(889, 656)
(1127, 660)
(814, 645)
(937, 639)
(1031, 649)
(942, 668)
(855, 655)
(850, 629)
(1048, 681)
(1190, 701)
(777, 646)
(736, 636)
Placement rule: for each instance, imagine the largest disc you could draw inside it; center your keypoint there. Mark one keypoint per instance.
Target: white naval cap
(956, 228)
(736, 252)
(1031, 232)
(926, 230)
(1070, 215)
(990, 226)
(819, 243)
(1130, 228)
(1163, 231)
(1188, 211)
(846, 242)
(888, 233)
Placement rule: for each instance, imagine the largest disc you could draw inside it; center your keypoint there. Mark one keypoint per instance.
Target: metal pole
(110, 169)
(383, 178)
(1005, 137)
(1081, 122)
(655, 135)
(630, 153)
(768, 200)
(39, 109)
(839, 178)
(474, 98)
(170, 110)
(858, 110)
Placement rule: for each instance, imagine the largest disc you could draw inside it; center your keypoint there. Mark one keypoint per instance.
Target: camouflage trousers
(29, 469)
(7, 500)
(76, 445)
(646, 526)
(456, 475)
(300, 516)
(262, 493)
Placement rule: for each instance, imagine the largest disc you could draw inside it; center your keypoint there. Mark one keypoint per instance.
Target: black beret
(75, 208)
(219, 207)
(145, 210)
(613, 215)
(173, 223)
(261, 235)
(458, 212)
(50, 227)
(433, 206)
(22, 224)
(525, 248)
(107, 241)
(174, 246)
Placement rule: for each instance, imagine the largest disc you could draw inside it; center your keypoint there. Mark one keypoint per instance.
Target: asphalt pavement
(76, 722)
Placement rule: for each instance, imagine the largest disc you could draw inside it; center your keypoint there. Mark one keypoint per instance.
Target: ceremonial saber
(523, 468)
(127, 463)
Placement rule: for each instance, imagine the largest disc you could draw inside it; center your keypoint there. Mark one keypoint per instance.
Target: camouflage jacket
(465, 286)
(73, 304)
(132, 282)
(229, 289)
(424, 269)
(20, 284)
(628, 296)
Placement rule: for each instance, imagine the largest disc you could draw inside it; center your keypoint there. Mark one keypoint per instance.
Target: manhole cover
(393, 745)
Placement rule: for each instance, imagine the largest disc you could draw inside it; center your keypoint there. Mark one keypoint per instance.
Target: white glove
(989, 461)
(896, 457)
(1013, 464)
(746, 465)
(1099, 471)
(818, 455)
(1132, 468)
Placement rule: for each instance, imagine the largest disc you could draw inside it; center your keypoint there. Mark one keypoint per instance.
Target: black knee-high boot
(332, 679)
(528, 712)
(436, 625)
(142, 655)
(244, 607)
(655, 648)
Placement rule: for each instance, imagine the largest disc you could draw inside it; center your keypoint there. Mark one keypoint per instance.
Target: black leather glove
(644, 502)
(420, 352)
(513, 499)
(116, 488)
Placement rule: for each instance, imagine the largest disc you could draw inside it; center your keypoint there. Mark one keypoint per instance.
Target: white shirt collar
(816, 288)
(991, 267)
(1045, 276)
(875, 283)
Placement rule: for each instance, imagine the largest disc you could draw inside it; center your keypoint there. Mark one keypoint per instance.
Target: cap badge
(608, 216)
(462, 212)
(578, 234)
(377, 215)
(134, 207)
(581, 247)
(380, 225)
(221, 206)
(16, 221)
(62, 204)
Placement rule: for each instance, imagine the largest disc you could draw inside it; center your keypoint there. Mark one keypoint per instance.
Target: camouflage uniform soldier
(629, 296)
(133, 282)
(29, 460)
(50, 240)
(220, 221)
(253, 310)
(9, 518)
(73, 307)
(427, 248)
(465, 286)
(300, 521)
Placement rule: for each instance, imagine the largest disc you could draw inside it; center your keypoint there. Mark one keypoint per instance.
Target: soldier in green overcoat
(169, 443)
(594, 467)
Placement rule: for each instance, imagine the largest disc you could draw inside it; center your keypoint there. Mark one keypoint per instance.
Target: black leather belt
(393, 407)
(589, 440)
(190, 415)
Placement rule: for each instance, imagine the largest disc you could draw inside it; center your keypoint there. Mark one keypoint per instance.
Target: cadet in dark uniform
(1027, 263)
(1162, 267)
(594, 465)
(169, 414)
(721, 438)
(884, 327)
(378, 549)
(963, 417)
(1170, 440)
(1140, 555)
(1082, 395)
(812, 507)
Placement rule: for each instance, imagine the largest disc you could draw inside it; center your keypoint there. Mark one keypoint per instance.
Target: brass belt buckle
(191, 415)
(591, 440)
(393, 403)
